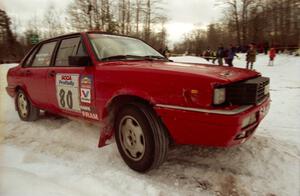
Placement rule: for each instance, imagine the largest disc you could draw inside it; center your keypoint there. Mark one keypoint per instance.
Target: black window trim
(28, 55)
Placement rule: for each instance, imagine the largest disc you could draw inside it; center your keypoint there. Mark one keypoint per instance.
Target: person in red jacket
(272, 54)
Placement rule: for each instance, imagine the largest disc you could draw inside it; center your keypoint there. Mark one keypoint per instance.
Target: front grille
(248, 92)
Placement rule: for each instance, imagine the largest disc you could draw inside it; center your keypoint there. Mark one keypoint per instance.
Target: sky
(183, 14)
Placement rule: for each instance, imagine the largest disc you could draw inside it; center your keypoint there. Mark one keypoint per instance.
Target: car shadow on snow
(219, 170)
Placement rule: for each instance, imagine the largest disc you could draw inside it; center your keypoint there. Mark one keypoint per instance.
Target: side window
(68, 47)
(43, 57)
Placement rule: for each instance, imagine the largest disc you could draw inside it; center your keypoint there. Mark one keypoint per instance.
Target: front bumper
(215, 128)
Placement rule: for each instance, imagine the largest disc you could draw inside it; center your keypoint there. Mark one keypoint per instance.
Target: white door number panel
(67, 91)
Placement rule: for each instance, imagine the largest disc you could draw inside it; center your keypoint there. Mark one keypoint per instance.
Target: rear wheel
(26, 110)
(141, 138)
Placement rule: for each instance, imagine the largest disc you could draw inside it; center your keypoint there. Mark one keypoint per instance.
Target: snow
(58, 156)
(190, 59)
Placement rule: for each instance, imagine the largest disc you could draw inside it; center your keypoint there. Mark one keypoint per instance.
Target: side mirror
(80, 60)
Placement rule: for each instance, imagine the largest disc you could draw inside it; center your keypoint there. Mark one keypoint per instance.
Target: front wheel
(141, 138)
(26, 110)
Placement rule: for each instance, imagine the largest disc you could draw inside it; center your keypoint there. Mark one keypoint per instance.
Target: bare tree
(81, 15)
(138, 10)
(52, 23)
(235, 14)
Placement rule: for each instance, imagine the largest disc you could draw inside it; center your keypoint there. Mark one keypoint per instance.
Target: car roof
(84, 32)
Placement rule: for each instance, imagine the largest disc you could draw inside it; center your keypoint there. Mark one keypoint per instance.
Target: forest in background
(263, 22)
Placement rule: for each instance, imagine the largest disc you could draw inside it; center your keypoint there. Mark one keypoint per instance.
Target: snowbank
(58, 156)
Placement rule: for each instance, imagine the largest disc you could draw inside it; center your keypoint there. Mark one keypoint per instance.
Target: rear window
(43, 57)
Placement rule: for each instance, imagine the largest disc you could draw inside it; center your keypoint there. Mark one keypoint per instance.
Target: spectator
(214, 56)
(166, 52)
(207, 54)
(251, 56)
(231, 53)
(272, 54)
(220, 54)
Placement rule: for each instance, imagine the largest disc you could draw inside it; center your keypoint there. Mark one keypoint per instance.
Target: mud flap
(105, 135)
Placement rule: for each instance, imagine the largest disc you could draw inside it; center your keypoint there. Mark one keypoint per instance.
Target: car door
(34, 73)
(71, 87)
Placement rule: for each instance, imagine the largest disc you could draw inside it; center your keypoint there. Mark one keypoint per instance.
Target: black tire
(27, 112)
(155, 137)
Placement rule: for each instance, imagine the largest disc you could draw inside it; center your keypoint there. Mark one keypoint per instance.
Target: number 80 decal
(64, 99)
(67, 91)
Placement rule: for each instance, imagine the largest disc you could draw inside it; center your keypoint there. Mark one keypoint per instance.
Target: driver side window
(69, 47)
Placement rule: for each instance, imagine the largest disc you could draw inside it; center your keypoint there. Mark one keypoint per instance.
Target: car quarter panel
(31, 80)
(13, 80)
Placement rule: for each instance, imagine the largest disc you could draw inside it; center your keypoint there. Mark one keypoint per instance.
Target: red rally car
(145, 100)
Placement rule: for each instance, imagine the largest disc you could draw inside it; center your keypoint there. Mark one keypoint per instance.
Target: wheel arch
(126, 96)
(115, 104)
(23, 88)
(18, 87)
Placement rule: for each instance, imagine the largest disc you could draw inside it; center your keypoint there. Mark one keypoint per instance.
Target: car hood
(224, 73)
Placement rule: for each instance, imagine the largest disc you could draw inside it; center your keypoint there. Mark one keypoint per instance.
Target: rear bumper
(211, 128)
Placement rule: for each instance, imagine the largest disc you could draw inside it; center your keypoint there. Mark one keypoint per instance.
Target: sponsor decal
(85, 95)
(66, 77)
(85, 108)
(90, 115)
(86, 81)
(66, 80)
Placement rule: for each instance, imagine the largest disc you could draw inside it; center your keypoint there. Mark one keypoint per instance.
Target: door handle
(51, 74)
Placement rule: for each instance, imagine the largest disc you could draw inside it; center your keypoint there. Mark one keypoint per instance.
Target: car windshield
(113, 47)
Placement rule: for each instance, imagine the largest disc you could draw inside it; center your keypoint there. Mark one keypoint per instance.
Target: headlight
(219, 95)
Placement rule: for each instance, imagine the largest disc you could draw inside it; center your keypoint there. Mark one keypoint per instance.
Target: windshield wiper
(153, 57)
(125, 57)
(120, 57)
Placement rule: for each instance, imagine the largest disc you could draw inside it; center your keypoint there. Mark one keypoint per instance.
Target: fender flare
(107, 131)
(139, 94)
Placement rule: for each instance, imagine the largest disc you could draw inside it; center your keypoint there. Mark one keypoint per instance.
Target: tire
(141, 138)
(26, 111)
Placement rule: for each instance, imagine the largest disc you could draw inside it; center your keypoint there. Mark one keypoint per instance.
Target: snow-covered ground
(57, 156)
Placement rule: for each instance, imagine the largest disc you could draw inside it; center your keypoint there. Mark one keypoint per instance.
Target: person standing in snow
(251, 56)
(166, 52)
(272, 54)
(207, 54)
(220, 55)
(231, 53)
(214, 56)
